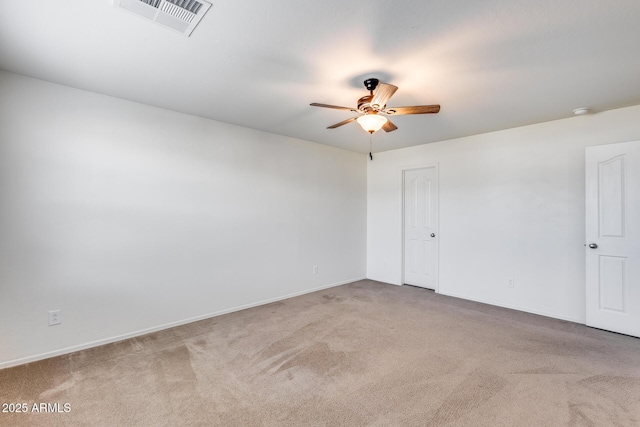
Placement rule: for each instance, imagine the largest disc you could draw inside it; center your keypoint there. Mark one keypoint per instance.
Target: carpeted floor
(366, 353)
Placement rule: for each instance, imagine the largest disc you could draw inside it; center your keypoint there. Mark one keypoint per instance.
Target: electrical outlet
(510, 282)
(315, 269)
(55, 317)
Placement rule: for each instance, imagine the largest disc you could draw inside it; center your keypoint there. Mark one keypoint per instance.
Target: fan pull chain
(370, 144)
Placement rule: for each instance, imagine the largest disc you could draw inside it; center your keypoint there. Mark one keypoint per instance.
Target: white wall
(511, 205)
(131, 218)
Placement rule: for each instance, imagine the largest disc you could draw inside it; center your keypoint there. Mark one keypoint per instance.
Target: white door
(421, 227)
(613, 237)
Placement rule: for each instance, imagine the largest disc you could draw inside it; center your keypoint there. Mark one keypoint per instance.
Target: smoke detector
(178, 15)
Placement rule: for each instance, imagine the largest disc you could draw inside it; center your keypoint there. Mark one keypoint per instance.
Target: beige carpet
(361, 354)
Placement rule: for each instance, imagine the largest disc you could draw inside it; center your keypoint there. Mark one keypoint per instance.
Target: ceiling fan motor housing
(371, 84)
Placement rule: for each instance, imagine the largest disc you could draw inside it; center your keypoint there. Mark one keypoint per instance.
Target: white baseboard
(97, 343)
(384, 280)
(514, 307)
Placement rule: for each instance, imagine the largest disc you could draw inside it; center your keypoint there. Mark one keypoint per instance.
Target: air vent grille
(152, 3)
(191, 5)
(178, 15)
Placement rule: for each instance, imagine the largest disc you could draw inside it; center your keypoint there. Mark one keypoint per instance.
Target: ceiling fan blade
(389, 126)
(381, 95)
(344, 122)
(416, 109)
(335, 107)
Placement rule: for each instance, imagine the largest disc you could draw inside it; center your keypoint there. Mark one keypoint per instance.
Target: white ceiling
(491, 64)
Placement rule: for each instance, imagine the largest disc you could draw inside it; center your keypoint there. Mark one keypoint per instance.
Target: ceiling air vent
(178, 15)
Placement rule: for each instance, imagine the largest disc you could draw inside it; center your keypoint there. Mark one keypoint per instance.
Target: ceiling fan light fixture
(371, 122)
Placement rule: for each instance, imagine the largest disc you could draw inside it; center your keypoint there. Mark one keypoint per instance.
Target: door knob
(593, 245)
(433, 234)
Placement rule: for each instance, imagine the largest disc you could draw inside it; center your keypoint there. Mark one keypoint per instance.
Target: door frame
(402, 173)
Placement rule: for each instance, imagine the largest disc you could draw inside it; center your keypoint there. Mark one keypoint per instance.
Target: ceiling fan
(372, 107)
